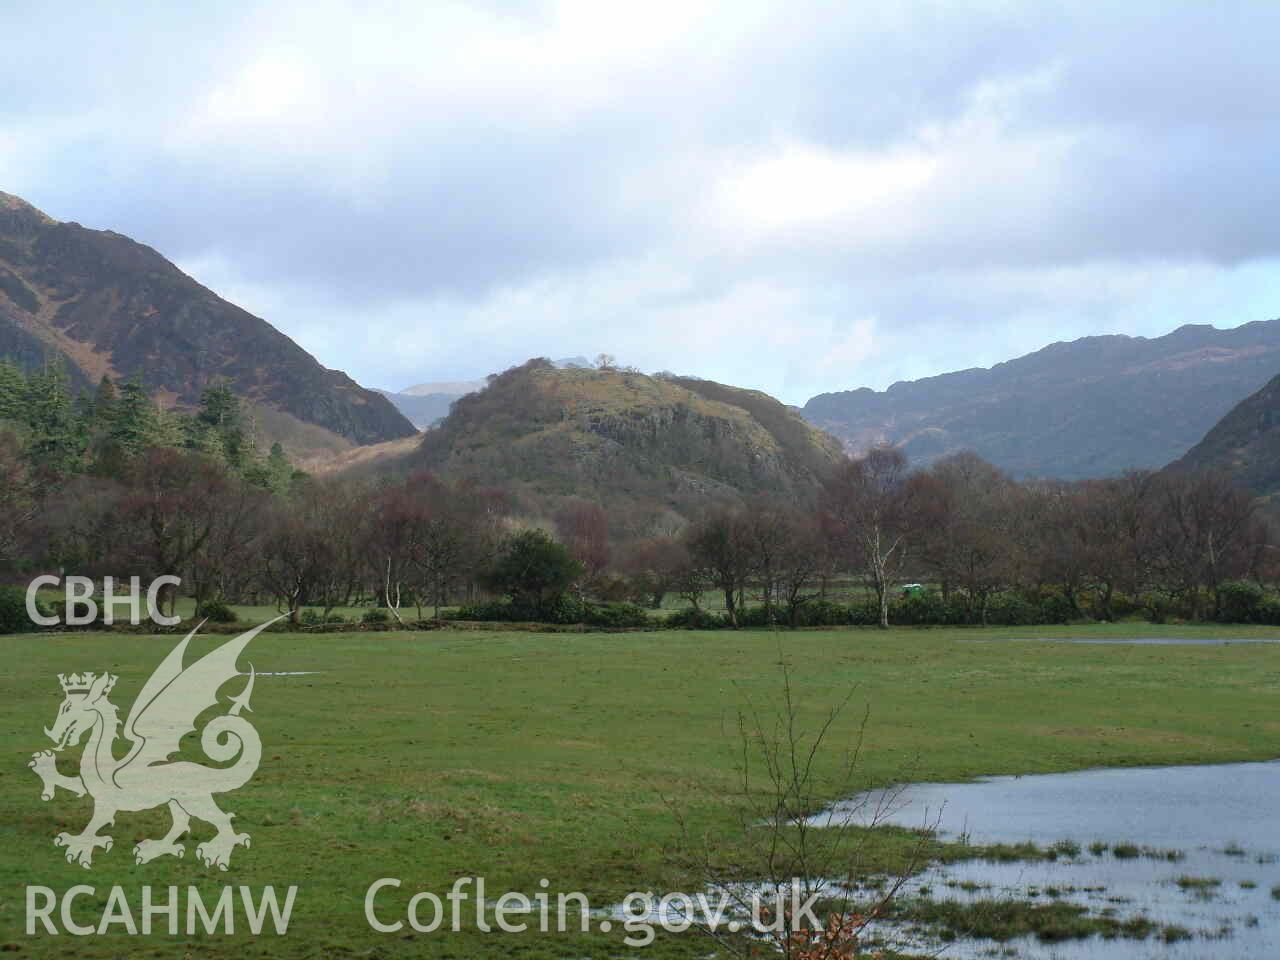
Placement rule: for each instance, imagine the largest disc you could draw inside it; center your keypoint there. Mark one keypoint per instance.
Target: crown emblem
(81, 682)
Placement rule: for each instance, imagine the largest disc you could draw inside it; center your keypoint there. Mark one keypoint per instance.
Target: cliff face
(618, 435)
(110, 306)
(1088, 408)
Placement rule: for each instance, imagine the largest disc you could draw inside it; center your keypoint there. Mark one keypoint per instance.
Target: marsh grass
(1204, 888)
(1004, 920)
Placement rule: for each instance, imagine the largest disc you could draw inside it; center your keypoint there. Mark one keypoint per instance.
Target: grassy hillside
(627, 439)
(518, 757)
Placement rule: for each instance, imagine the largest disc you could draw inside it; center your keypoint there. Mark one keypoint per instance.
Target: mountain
(1245, 443)
(421, 410)
(641, 445)
(108, 305)
(425, 403)
(1087, 408)
(444, 388)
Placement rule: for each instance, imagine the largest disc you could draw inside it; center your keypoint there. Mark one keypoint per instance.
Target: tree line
(105, 432)
(112, 485)
(1171, 543)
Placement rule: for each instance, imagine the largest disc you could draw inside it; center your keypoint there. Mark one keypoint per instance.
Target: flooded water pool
(1221, 822)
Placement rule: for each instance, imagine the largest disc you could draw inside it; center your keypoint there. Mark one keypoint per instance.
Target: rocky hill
(1245, 443)
(631, 441)
(1087, 408)
(110, 306)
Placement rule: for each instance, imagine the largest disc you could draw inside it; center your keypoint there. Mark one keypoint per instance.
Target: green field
(518, 756)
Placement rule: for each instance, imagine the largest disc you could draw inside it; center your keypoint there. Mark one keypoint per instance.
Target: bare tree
(170, 509)
(445, 525)
(720, 544)
(302, 559)
(1203, 535)
(583, 527)
(17, 495)
(802, 561)
(785, 846)
(1115, 525)
(767, 528)
(968, 511)
(654, 567)
(867, 512)
(389, 539)
(222, 566)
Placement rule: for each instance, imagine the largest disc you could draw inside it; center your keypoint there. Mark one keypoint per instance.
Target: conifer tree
(135, 420)
(13, 392)
(220, 413)
(55, 446)
(104, 404)
(168, 430)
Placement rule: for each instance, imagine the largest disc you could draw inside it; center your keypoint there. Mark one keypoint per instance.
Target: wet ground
(1220, 822)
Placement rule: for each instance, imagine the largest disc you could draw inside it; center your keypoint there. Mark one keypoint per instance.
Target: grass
(1204, 888)
(518, 756)
(1003, 920)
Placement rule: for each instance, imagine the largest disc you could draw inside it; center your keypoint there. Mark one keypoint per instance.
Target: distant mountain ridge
(1245, 443)
(108, 305)
(422, 410)
(1087, 408)
(426, 403)
(442, 388)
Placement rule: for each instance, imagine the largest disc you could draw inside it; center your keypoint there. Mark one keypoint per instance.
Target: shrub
(493, 610)
(375, 615)
(818, 613)
(865, 615)
(534, 571)
(215, 611)
(13, 611)
(760, 616)
(557, 609)
(922, 607)
(615, 615)
(1155, 609)
(1240, 601)
(1123, 606)
(561, 610)
(1269, 611)
(693, 619)
(612, 589)
(1011, 610)
(311, 617)
(1055, 608)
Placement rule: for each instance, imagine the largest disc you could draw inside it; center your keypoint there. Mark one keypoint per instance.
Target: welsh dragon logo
(164, 712)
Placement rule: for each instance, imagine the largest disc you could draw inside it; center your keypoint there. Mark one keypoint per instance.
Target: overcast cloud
(792, 197)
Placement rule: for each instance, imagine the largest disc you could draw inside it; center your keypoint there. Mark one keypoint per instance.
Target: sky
(796, 197)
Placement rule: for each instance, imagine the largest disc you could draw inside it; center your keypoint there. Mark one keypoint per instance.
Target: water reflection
(1220, 818)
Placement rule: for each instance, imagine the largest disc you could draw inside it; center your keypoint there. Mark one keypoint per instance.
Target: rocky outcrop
(614, 435)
